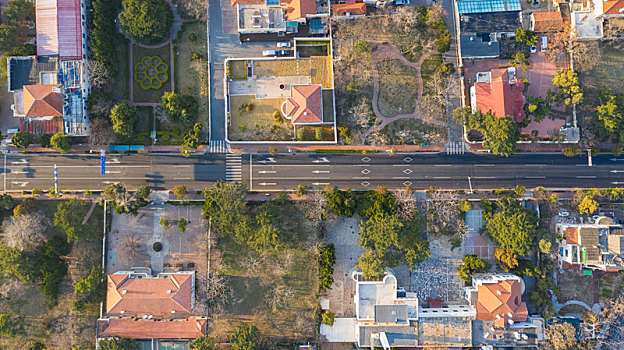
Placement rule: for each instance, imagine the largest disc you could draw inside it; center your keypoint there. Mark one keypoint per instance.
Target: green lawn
(258, 124)
(282, 67)
(237, 69)
(151, 95)
(398, 88)
(189, 80)
(120, 89)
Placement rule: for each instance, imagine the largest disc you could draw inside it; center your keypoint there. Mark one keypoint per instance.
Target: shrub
(249, 107)
(464, 205)
(36, 192)
(328, 318)
(182, 224)
(321, 134)
(305, 134)
(327, 259)
(571, 151)
(301, 190)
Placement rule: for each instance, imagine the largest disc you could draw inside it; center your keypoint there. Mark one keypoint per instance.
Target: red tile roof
(152, 329)
(236, 2)
(571, 235)
(296, 9)
(501, 97)
(43, 101)
(161, 297)
(547, 21)
(305, 104)
(354, 9)
(613, 7)
(58, 28)
(502, 299)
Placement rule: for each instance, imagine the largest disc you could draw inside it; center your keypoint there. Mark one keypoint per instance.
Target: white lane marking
(295, 165)
(580, 164)
(443, 165)
(400, 177)
(267, 184)
(267, 172)
(320, 183)
(484, 177)
(484, 165)
(441, 177)
(320, 171)
(181, 178)
(535, 165)
(20, 183)
(360, 177)
(401, 164)
(535, 177)
(321, 160)
(585, 177)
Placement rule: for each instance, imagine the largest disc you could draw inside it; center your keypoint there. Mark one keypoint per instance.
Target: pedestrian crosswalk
(218, 146)
(233, 167)
(455, 148)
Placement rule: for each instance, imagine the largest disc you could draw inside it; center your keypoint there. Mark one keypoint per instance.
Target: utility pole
(470, 184)
(589, 157)
(55, 179)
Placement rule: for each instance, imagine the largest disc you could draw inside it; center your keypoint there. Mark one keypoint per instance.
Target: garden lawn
(281, 67)
(398, 88)
(258, 124)
(429, 66)
(411, 131)
(320, 71)
(120, 89)
(328, 105)
(312, 50)
(187, 79)
(237, 69)
(151, 95)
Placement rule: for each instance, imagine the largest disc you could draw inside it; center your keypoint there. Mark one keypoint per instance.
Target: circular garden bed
(151, 72)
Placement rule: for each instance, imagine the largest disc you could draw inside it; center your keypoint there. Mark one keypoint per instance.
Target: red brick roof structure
(358, 8)
(550, 21)
(501, 96)
(500, 301)
(168, 297)
(42, 101)
(613, 7)
(151, 329)
(296, 9)
(305, 104)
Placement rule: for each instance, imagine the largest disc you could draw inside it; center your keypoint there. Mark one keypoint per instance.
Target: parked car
(563, 213)
(533, 49)
(284, 44)
(402, 2)
(284, 53)
(269, 53)
(544, 43)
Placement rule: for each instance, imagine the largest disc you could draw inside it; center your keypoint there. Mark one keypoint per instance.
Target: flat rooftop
(260, 18)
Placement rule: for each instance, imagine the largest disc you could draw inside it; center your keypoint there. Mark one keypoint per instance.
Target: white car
(402, 2)
(284, 44)
(564, 213)
(269, 53)
(533, 49)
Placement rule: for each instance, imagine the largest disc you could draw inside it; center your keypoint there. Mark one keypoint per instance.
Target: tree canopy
(69, 216)
(118, 344)
(500, 133)
(147, 21)
(610, 113)
(20, 12)
(246, 337)
(526, 36)
(570, 92)
(22, 139)
(181, 108)
(123, 116)
(514, 228)
(191, 140)
(471, 265)
(60, 142)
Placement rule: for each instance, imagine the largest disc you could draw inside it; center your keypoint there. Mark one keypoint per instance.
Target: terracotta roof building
(550, 21)
(613, 7)
(305, 105)
(296, 9)
(43, 101)
(58, 27)
(190, 328)
(167, 296)
(355, 9)
(499, 299)
(499, 92)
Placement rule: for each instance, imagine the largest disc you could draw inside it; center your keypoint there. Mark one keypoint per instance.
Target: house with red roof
(498, 298)
(142, 306)
(548, 21)
(304, 106)
(499, 92)
(347, 10)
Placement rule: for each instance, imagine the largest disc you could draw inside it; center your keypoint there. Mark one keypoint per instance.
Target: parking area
(141, 241)
(230, 17)
(540, 74)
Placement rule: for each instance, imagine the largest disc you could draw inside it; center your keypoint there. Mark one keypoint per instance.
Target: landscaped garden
(151, 73)
(320, 71)
(284, 67)
(237, 69)
(254, 119)
(398, 88)
(409, 132)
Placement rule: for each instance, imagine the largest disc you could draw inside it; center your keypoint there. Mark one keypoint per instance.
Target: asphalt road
(286, 171)
(420, 171)
(83, 172)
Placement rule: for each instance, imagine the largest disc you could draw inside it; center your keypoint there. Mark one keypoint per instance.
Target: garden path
(391, 52)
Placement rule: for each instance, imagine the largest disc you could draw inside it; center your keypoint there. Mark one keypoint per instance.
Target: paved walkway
(391, 52)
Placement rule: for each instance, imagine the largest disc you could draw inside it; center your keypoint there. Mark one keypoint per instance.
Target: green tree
(180, 191)
(339, 202)
(390, 241)
(10, 326)
(328, 318)
(246, 337)
(20, 13)
(203, 343)
(501, 134)
(37, 345)
(301, 190)
(570, 92)
(8, 37)
(520, 61)
(147, 21)
(327, 259)
(118, 344)
(22, 139)
(588, 205)
(181, 108)
(526, 36)
(104, 34)
(226, 209)
(69, 216)
(471, 265)
(514, 228)
(164, 223)
(191, 140)
(123, 116)
(60, 142)
(182, 224)
(464, 205)
(93, 287)
(537, 107)
(571, 151)
(272, 150)
(44, 140)
(545, 246)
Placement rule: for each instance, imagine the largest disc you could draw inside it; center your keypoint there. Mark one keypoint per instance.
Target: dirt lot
(180, 250)
(398, 88)
(575, 286)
